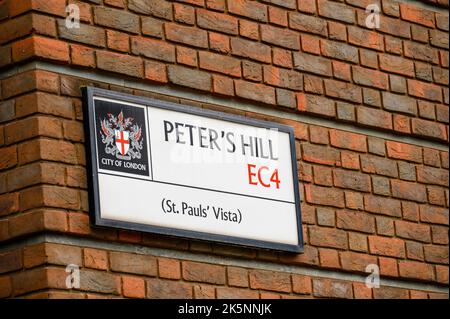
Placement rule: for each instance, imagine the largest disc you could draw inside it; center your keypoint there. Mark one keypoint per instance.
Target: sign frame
(88, 94)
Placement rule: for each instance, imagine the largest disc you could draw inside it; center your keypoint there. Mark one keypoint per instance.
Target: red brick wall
(365, 199)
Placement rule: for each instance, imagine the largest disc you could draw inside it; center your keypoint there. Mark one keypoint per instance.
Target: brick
(237, 277)
(119, 63)
(189, 77)
(402, 123)
(417, 15)
(329, 288)
(343, 90)
(433, 214)
(155, 71)
(40, 47)
(152, 27)
(442, 274)
(187, 35)
(249, 9)
(133, 263)
(269, 280)
(255, 91)
(283, 78)
(421, 52)
(403, 151)
(301, 284)
(118, 41)
(340, 51)
(56, 7)
(380, 186)
(361, 291)
(342, 71)
(248, 29)
(223, 85)
(117, 19)
(355, 181)
(336, 11)
(337, 31)
(322, 176)
(413, 231)
(439, 234)
(5, 286)
(397, 84)
(153, 49)
(382, 205)
(32, 174)
(415, 270)
(10, 261)
(329, 258)
(325, 217)
(436, 196)
(52, 196)
(346, 112)
(348, 140)
(370, 78)
(414, 250)
(169, 268)
(194, 271)
(376, 146)
(388, 266)
(307, 23)
(371, 97)
(399, 103)
(320, 154)
(369, 58)
(384, 246)
(236, 293)
(367, 39)
(281, 37)
(315, 104)
(282, 58)
(218, 5)
(431, 175)
(390, 293)
(204, 292)
(8, 157)
(409, 191)
(95, 258)
(312, 63)
(157, 8)
(86, 34)
(355, 261)
(252, 50)
(99, 281)
(219, 42)
(310, 44)
(217, 22)
(377, 165)
(133, 287)
(385, 226)
(27, 281)
(184, 14)
(286, 98)
(357, 221)
(350, 160)
(220, 63)
(328, 237)
(429, 129)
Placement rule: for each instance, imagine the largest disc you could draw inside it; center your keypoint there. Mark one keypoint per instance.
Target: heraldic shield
(122, 141)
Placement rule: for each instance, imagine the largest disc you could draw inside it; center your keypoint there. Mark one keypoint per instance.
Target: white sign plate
(176, 170)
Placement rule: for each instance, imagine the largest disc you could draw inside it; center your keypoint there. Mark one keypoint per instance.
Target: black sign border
(88, 94)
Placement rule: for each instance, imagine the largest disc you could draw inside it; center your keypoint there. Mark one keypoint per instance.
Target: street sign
(176, 170)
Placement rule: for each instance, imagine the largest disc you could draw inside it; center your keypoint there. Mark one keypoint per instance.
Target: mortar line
(215, 259)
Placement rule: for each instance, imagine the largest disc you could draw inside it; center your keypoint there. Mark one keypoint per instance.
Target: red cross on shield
(122, 141)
